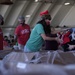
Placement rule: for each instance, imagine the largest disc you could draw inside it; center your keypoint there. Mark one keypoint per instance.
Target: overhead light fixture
(67, 3)
(6, 2)
(27, 16)
(36, 0)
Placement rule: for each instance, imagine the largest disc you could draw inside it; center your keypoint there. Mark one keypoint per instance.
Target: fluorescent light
(67, 3)
(27, 15)
(36, 0)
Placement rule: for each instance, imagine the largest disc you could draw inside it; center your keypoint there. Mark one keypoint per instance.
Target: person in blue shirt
(38, 34)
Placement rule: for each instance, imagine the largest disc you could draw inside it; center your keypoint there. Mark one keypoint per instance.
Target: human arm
(71, 47)
(41, 32)
(16, 34)
(51, 38)
(47, 38)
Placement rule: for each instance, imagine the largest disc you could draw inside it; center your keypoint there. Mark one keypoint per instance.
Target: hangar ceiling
(31, 9)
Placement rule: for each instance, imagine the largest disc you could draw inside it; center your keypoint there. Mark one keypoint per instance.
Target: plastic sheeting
(3, 53)
(34, 69)
(16, 57)
(45, 57)
(38, 63)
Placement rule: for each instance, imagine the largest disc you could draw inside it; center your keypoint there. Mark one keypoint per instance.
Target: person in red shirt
(1, 33)
(22, 33)
(65, 36)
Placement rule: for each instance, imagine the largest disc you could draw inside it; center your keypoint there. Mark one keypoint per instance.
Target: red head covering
(44, 13)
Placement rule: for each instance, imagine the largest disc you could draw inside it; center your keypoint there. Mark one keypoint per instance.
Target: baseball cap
(44, 13)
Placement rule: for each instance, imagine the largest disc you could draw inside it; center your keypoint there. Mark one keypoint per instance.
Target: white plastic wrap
(20, 63)
(16, 57)
(3, 53)
(67, 57)
(35, 69)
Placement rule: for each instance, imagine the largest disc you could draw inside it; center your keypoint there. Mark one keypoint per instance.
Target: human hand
(59, 40)
(71, 47)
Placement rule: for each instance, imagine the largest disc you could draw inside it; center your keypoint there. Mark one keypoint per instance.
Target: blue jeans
(26, 49)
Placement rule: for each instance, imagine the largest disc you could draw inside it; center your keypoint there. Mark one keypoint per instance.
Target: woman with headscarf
(38, 34)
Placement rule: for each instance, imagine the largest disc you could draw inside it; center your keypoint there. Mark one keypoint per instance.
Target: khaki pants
(21, 47)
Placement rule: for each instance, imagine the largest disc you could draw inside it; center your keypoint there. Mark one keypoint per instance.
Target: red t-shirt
(66, 38)
(1, 39)
(23, 33)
